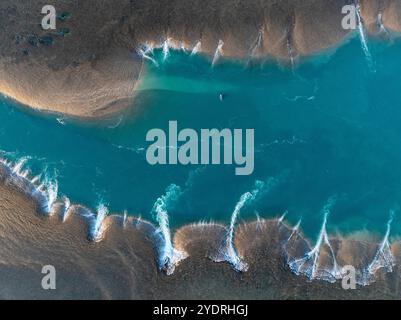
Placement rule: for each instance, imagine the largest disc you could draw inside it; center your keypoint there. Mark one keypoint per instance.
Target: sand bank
(90, 65)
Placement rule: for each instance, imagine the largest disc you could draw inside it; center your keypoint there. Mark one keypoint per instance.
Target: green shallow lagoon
(328, 129)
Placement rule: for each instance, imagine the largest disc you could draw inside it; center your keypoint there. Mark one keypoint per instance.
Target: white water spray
(45, 193)
(231, 254)
(183, 47)
(259, 222)
(380, 23)
(362, 34)
(197, 48)
(125, 218)
(51, 193)
(384, 257)
(96, 229)
(258, 44)
(18, 168)
(290, 53)
(66, 209)
(281, 219)
(145, 52)
(166, 49)
(36, 179)
(294, 230)
(218, 53)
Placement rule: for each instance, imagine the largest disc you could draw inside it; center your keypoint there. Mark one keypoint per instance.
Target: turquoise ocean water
(328, 129)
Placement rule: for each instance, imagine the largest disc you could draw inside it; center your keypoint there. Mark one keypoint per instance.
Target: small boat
(221, 97)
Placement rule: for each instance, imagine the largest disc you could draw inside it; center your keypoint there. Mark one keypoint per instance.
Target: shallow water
(327, 131)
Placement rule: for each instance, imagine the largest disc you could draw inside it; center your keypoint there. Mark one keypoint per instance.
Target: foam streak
(168, 256)
(308, 265)
(218, 53)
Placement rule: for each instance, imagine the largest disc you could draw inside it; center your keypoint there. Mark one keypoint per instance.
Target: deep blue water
(330, 128)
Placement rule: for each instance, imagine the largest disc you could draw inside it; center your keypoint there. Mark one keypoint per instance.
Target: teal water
(329, 129)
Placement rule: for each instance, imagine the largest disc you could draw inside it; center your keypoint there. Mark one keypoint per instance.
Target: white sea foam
(308, 265)
(197, 48)
(169, 257)
(363, 37)
(166, 49)
(146, 51)
(218, 53)
(229, 251)
(383, 257)
(258, 44)
(45, 191)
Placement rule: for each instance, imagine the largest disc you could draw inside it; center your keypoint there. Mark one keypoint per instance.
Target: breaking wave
(324, 260)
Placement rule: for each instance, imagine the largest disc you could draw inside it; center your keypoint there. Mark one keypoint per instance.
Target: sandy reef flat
(124, 264)
(89, 66)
